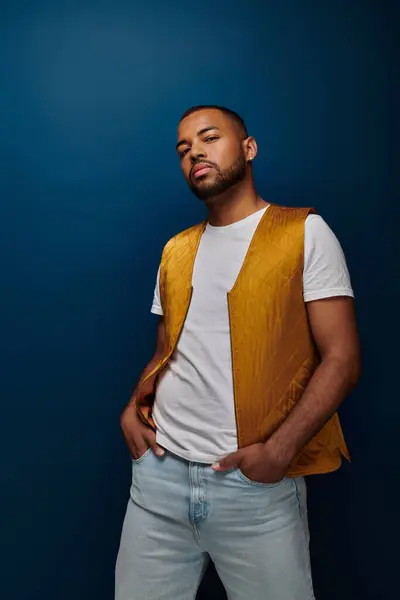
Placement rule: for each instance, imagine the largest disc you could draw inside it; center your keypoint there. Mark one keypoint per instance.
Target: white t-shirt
(194, 405)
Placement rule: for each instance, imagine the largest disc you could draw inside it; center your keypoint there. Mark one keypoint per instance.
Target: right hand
(138, 436)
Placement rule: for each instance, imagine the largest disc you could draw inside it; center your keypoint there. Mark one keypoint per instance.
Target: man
(257, 347)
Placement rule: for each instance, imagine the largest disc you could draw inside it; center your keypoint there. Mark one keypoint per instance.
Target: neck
(234, 205)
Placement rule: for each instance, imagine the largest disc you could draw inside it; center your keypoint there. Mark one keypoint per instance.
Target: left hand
(259, 462)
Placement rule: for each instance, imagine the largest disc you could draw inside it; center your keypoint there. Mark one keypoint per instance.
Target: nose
(197, 152)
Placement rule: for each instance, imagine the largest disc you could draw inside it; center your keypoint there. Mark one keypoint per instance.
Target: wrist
(277, 453)
(132, 403)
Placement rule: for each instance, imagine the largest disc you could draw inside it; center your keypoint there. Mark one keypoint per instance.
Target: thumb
(158, 451)
(230, 462)
(151, 442)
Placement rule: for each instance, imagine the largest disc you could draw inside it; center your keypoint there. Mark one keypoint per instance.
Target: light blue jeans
(180, 514)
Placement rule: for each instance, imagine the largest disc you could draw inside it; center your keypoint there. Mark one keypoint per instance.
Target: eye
(182, 153)
(211, 138)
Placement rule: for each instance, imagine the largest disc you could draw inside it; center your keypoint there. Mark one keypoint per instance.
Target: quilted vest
(273, 352)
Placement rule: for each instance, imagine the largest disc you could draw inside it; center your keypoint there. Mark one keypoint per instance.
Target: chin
(202, 192)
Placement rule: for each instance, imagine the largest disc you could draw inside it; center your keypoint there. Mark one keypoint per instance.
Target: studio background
(91, 189)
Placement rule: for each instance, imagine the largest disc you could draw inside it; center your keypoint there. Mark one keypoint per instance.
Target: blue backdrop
(90, 95)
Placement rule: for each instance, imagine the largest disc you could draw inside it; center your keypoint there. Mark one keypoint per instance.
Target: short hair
(227, 111)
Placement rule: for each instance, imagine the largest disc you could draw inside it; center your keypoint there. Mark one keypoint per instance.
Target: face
(213, 152)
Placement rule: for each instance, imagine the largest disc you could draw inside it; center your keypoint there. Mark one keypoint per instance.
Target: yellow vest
(273, 352)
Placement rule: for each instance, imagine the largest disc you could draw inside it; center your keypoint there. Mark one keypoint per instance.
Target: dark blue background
(90, 95)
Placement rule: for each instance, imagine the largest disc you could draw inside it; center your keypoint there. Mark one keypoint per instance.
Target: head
(215, 150)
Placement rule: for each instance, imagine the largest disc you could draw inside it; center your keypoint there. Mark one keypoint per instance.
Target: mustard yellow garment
(273, 352)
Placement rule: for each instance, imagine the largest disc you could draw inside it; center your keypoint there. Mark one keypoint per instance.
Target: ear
(250, 149)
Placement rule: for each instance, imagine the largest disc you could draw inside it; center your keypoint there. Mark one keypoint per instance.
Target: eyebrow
(201, 132)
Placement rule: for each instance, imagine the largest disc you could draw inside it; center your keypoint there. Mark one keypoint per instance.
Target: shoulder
(316, 222)
(183, 239)
(317, 230)
(183, 235)
(290, 214)
(287, 224)
(320, 241)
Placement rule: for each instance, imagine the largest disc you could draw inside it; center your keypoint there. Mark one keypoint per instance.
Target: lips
(200, 170)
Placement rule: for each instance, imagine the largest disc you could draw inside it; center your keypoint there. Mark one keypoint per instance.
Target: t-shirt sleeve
(325, 272)
(156, 308)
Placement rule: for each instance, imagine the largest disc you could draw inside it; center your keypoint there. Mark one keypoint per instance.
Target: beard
(224, 180)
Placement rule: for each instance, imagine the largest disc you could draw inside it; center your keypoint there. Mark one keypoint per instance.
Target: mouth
(200, 170)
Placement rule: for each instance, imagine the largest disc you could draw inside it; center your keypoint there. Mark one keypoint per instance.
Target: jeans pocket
(137, 461)
(258, 484)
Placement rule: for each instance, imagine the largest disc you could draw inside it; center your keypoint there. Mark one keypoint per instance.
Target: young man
(257, 347)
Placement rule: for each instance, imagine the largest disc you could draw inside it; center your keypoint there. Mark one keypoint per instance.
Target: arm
(148, 388)
(333, 325)
(137, 435)
(328, 297)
